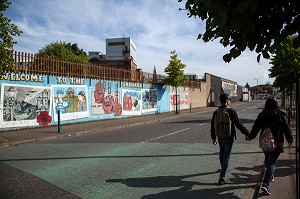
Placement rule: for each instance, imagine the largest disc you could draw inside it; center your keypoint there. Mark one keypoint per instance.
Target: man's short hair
(223, 98)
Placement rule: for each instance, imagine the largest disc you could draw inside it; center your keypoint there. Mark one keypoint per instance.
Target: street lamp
(256, 87)
(11, 92)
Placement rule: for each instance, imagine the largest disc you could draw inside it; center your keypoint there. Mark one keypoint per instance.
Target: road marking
(203, 123)
(168, 134)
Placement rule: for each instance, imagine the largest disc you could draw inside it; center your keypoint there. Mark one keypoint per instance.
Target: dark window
(116, 43)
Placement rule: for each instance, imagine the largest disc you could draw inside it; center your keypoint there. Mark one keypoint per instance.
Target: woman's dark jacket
(234, 122)
(277, 122)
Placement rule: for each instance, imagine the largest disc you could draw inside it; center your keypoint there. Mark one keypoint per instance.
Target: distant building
(191, 76)
(261, 91)
(120, 53)
(120, 49)
(96, 55)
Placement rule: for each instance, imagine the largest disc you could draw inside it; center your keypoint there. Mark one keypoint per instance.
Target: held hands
(215, 141)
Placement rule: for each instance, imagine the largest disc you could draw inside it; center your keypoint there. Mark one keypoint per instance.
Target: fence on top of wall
(44, 65)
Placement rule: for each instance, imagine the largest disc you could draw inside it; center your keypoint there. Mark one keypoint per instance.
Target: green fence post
(58, 121)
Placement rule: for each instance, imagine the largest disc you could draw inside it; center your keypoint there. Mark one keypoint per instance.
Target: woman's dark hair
(224, 97)
(271, 104)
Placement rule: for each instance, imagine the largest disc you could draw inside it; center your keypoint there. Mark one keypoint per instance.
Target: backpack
(222, 123)
(266, 140)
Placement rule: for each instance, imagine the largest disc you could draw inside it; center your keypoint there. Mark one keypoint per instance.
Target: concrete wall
(198, 96)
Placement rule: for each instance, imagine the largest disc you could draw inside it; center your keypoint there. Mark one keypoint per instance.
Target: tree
(247, 86)
(154, 78)
(259, 90)
(175, 73)
(270, 89)
(240, 24)
(286, 65)
(7, 31)
(65, 51)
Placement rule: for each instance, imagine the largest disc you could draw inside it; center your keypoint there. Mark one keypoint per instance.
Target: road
(172, 158)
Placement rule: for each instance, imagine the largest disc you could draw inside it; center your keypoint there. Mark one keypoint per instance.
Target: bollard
(190, 107)
(58, 121)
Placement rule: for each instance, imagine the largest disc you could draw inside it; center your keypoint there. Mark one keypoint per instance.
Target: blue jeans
(270, 163)
(224, 155)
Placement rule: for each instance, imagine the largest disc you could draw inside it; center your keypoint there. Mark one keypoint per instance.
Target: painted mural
(21, 105)
(105, 99)
(70, 101)
(132, 102)
(149, 100)
(182, 100)
(230, 89)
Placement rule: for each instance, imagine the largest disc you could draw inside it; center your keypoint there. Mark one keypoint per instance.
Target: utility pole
(256, 87)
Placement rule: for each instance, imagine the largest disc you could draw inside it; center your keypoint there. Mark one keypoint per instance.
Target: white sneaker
(272, 179)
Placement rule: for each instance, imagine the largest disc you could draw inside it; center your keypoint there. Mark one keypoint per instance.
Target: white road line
(203, 123)
(168, 134)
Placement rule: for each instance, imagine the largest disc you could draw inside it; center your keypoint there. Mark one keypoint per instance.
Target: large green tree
(7, 31)
(175, 73)
(253, 24)
(286, 65)
(65, 51)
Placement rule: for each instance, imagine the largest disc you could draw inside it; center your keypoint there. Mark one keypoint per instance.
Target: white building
(120, 49)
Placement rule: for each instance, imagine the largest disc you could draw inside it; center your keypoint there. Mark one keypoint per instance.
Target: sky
(157, 27)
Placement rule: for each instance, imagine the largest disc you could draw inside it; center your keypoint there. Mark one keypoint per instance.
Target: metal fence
(44, 65)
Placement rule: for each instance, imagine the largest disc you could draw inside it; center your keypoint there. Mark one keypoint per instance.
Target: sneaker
(272, 179)
(222, 181)
(266, 190)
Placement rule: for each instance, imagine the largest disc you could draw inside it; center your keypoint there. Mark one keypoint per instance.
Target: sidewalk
(284, 185)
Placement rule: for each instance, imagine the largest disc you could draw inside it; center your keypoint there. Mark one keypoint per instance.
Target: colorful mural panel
(71, 101)
(105, 99)
(132, 102)
(21, 105)
(230, 89)
(149, 100)
(182, 100)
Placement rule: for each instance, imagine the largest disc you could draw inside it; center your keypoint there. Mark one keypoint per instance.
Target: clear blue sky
(156, 27)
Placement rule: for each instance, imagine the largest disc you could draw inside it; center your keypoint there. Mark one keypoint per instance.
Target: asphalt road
(173, 158)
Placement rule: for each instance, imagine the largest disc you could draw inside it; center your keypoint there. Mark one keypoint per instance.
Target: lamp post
(256, 87)
(11, 92)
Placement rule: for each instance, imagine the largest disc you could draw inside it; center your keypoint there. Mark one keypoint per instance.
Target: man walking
(224, 121)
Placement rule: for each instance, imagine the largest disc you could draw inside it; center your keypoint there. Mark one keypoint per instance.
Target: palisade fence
(44, 65)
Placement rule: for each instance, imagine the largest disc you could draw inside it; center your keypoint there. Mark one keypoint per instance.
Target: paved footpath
(284, 185)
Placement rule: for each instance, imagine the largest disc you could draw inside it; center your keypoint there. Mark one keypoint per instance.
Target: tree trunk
(176, 101)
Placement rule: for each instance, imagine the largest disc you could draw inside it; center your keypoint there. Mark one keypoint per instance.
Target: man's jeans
(224, 155)
(270, 163)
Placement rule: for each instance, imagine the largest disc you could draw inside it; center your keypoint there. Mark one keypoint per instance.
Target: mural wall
(32, 100)
(230, 89)
(28, 100)
(21, 104)
(182, 99)
(71, 101)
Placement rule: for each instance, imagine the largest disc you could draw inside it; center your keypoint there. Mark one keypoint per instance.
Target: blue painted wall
(24, 97)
